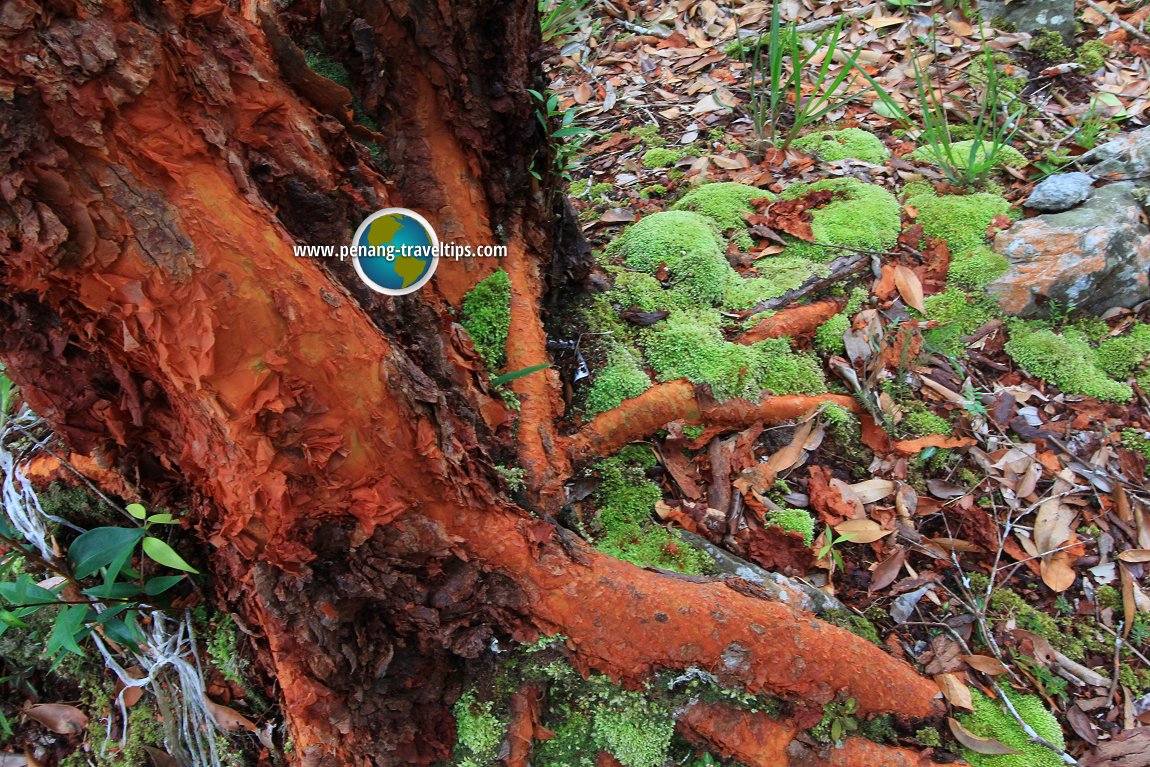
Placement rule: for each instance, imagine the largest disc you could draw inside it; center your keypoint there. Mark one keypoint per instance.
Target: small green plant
(777, 107)
(565, 142)
(560, 18)
(967, 163)
(833, 539)
(1094, 127)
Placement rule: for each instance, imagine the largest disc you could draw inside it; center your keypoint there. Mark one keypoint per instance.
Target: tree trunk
(336, 447)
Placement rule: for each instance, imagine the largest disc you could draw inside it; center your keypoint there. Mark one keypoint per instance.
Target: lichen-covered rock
(1060, 192)
(1032, 15)
(1125, 157)
(1093, 257)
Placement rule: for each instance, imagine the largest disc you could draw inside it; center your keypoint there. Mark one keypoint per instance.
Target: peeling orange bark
(793, 321)
(757, 740)
(677, 400)
(332, 445)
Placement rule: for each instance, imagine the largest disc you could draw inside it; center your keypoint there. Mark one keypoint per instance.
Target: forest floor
(985, 522)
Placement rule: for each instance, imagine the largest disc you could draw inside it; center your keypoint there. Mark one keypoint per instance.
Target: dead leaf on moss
(988, 746)
(985, 664)
(955, 691)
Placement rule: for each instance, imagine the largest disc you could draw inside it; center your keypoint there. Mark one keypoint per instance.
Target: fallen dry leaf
(1135, 555)
(862, 530)
(227, 717)
(1126, 749)
(955, 691)
(985, 664)
(60, 718)
(988, 746)
(909, 287)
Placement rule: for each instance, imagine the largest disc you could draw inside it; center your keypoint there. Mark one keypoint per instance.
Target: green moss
(1008, 81)
(725, 203)
(143, 731)
(853, 143)
(960, 152)
(778, 274)
(689, 345)
(1066, 360)
(794, 520)
(1092, 55)
(621, 379)
(862, 216)
(693, 432)
(991, 720)
(829, 336)
(601, 190)
(1050, 47)
(958, 315)
(648, 134)
(478, 731)
(856, 624)
(842, 424)
(325, 66)
(636, 290)
(487, 317)
(661, 157)
(976, 268)
(961, 220)
(923, 423)
(880, 729)
(687, 243)
(654, 190)
(1121, 356)
(223, 649)
(574, 745)
(1139, 441)
(626, 500)
(634, 730)
(928, 736)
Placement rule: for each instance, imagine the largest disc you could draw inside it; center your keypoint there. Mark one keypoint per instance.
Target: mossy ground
(990, 719)
(487, 317)
(848, 143)
(864, 216)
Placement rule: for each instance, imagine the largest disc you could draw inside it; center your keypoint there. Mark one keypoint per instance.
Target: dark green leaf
(67, 630)
(101, 547)
(160, 584)
(23, 591)
(115, 590)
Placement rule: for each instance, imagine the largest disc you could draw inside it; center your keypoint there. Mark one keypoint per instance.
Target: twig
(1111, 16)
(662, 33)
(840, 269)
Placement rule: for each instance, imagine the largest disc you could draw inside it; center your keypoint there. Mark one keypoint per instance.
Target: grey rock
(1033, 15)
(1060, 192)
(1126, 156)
(1093, 257)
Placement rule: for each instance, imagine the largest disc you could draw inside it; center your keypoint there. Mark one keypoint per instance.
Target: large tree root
(641, 416)
(757, 740)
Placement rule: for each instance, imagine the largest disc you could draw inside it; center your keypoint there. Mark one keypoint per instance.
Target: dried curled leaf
(60, 718)
(988, 746)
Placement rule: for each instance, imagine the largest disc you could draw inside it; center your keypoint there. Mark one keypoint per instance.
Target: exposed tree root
(757, 740)
(795, 321)
(641, 416)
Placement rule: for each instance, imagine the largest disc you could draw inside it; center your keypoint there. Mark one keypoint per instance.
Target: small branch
(793, 321)
(839, 269)
(1111, 16)
(659, 32)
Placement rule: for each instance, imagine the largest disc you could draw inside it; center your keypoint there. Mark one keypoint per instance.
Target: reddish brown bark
(334, 448)
(795, 321)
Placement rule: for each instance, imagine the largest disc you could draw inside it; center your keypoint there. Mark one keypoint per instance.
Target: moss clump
(976, 268)
(1122, 356)
(648, 134)
(829, 336)
(478, 731)
(660, 157)
(990, 719)
(487, 317)
(689, 345)
(621, 379)
(842, 424)
(725, 203)
(223, 649)
(961, 220)
(654, 190)
(687, 243)
(958, 315)
(636, 290)
(626, 500)
(1050, 47)
(778, 275)
(1138, 441)
(601, 190)
(794, 520)
(848, 143)
(928, 736)
(634, 730)
(1066, 360)
(861, 216)
(573, 745)
(923, 423)
(960, 153)
(1092, 55)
